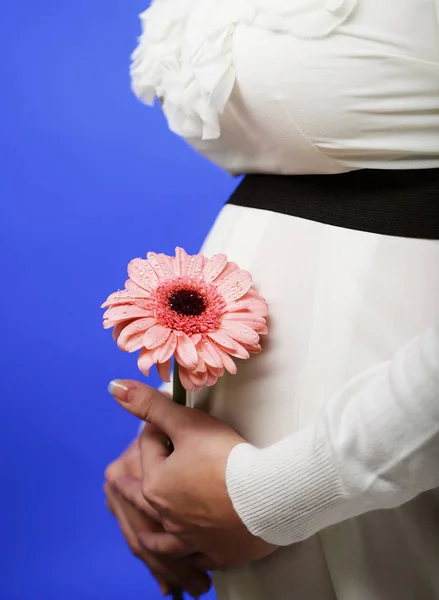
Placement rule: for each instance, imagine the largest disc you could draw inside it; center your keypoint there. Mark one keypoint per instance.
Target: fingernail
(119, 389)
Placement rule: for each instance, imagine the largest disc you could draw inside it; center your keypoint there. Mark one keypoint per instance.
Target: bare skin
(186, 491)
(134, 523)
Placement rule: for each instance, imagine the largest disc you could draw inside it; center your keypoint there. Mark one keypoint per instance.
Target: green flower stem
(179, 393)
(180, 397)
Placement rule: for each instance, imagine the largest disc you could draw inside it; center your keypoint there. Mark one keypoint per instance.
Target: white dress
(297, 87)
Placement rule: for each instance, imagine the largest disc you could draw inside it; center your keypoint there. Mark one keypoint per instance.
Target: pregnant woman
(325, 450)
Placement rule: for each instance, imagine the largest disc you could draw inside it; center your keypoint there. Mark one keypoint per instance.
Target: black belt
(398, 203)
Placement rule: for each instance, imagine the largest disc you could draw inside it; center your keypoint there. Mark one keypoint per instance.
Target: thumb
(150, 405)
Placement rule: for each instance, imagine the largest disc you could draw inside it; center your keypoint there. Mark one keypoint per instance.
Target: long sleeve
(374, 446)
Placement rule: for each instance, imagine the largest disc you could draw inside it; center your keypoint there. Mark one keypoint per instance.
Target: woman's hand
(169, 573)
(186, 490)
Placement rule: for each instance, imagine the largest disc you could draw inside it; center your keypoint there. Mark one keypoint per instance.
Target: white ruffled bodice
(188, 57)
(185, 52)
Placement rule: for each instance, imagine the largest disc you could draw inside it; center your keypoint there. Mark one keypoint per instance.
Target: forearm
(374, 446)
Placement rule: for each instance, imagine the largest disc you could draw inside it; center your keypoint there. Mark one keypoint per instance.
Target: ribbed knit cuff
(284, 493)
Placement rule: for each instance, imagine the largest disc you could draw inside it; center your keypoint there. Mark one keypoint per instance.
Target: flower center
(187, 302)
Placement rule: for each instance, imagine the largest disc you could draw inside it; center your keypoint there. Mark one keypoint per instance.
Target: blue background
(89, 179)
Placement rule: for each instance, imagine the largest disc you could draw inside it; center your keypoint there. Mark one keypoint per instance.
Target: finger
(201, 562)
(172, 575)
(131, 490)
(165, 589)
(154, 447)
(152, 406)
(177, 575)
(165, 544)
(124, 524)
(131, 460)
(126, 462)
(139, 522)
(109, 498)
(115, 469)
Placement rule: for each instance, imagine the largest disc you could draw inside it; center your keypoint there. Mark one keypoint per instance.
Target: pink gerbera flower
(202, 312)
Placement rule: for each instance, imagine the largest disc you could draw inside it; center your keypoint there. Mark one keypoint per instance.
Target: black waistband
(398, 203)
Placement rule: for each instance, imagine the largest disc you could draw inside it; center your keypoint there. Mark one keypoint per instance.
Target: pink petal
(211, 379)
(168, 349)
(181, 261)
(196, 266)
(156, 336)
(185, 381)
(241, 333)
(230, 345)
(201, 366)
(196, 338)
(217, 372)
(221, 338)
(120, 297)
(239, 352)
(235, 286)
(214, 267)
(162, 265)
(248, 320)
(230, 268)
(252, 293)
(186, 353)
(131, 337)
(208, 352)
(229, 364)
(253, 305)
(197, 378)
(132, 344)
(116, 314)
(145, 361)
(164, 370)
(261, 329)
(117, 329)
(141, 272)
(135, 290)
(246, 317)
(145, 304)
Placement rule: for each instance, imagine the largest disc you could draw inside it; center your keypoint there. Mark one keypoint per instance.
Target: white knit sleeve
(374, 446)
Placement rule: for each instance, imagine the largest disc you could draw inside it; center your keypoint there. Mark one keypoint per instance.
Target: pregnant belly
(340, 301)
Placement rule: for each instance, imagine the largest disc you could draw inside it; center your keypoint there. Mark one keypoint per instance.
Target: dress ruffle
(184, 56)
(302, 18)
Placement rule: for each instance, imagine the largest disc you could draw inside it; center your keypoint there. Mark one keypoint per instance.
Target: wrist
(287, 492)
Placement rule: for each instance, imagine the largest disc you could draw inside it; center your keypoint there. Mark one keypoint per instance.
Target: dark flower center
(187, 302)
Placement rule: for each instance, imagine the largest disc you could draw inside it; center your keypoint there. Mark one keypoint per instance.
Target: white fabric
(319, 86)
(374, 446)
(342, 303)
(296, 86)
